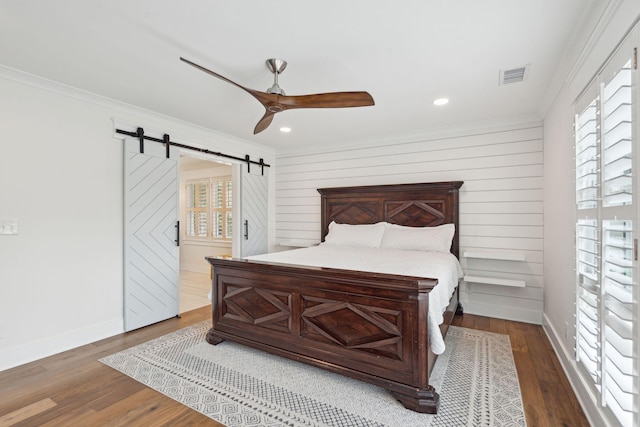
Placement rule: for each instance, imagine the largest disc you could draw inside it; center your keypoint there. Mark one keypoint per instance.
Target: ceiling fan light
(441, 101)
(285, 129)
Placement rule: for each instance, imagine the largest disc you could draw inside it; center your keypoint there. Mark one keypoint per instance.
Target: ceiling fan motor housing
(275, 89)
(276, 66)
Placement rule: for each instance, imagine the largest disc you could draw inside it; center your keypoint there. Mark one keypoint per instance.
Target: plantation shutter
(197, 209)
(217, 204)
(607, 335)
(618, 214)
(588, 242)
(221, 207)
(208, 209)
(229, 213)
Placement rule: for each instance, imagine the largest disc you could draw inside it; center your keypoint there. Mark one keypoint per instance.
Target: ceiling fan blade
(264, 122)
(327, 100)
(200, 67)
(264, 98)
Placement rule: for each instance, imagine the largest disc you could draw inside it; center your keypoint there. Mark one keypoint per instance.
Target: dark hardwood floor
(74, 389)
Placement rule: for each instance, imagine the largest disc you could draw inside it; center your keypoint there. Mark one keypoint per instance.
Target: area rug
(239, 386)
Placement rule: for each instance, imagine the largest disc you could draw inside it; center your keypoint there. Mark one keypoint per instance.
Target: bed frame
(368, 326)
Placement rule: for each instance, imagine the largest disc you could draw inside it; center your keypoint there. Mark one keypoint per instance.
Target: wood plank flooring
(74, 389)
(194, 290)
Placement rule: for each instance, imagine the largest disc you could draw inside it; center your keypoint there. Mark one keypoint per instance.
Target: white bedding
(442, 266)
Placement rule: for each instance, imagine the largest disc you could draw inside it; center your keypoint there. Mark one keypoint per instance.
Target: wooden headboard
(414, 205)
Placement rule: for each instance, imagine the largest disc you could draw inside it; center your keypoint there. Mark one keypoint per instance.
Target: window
(607, 335)
(196, 197)
(208, 209)
(221, 208)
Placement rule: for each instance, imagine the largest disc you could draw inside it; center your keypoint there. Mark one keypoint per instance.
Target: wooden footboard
(369, 326)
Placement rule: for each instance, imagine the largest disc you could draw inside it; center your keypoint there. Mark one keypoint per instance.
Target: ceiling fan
(275, 100)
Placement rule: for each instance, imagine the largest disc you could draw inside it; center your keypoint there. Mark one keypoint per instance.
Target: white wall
(500, 201)
(61, 278)
(589, 52)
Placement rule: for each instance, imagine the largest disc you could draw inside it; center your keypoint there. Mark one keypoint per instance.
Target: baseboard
(19, 355)
(588, 401)
(502, 312)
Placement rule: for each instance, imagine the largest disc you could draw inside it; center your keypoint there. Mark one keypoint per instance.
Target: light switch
(8, 226)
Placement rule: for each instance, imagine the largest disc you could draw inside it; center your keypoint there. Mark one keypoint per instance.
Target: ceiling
(405, 54)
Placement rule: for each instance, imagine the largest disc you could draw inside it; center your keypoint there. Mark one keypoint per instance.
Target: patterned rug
(238, 386)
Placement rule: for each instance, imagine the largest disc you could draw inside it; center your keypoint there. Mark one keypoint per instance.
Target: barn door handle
(177, 233)
(246, 229)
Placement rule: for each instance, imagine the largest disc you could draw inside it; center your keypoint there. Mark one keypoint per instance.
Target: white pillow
(357, 236)
(428, 239)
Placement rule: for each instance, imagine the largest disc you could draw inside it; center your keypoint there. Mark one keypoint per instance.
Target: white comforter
(441, 266)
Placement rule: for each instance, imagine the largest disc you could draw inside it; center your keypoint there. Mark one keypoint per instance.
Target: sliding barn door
(151, 252)
(254, 205)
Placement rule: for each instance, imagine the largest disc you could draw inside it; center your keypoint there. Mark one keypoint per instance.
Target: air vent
(513, 75)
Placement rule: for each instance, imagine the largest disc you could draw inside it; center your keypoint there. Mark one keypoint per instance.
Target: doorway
(206, 200)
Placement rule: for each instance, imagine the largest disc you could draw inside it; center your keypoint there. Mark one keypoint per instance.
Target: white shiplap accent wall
(501, 206)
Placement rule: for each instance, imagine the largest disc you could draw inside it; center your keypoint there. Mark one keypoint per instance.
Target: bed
(370, 325)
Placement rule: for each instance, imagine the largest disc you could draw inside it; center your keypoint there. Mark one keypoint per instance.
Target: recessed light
(441, 101)
(285, 129)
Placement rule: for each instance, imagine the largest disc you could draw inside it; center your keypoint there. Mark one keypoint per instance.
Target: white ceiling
(405, 54)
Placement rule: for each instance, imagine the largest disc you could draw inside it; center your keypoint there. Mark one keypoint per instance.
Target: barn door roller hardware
(139, 134)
